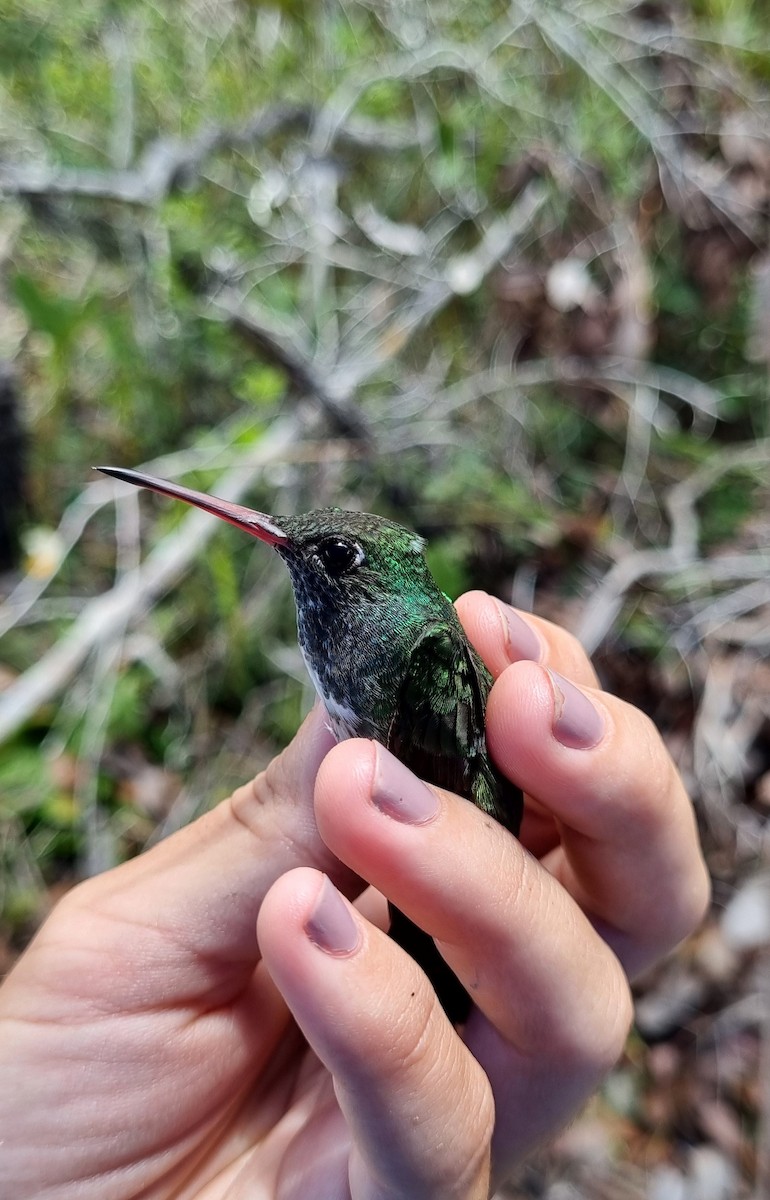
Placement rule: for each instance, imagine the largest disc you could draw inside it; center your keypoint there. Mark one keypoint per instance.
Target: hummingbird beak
(258, 524)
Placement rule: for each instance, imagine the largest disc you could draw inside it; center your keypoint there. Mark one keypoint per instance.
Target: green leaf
(54, 315)
(260, 385)
(25, 783)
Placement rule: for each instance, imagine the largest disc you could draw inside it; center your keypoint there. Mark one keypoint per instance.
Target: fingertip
(371, 1018)
(287, 906)
(330, 925)
(483, 622)
(530, 701)
(345, 777)
(467, 604)
(533, 716)
(520, 705)
(498, 632)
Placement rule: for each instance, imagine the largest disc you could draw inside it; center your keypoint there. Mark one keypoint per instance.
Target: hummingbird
(386, 652)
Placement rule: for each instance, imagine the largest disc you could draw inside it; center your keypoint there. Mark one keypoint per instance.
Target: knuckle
(614, 1021)
(256, 807)
(421, 1042)
(597, 1042)
(262, 807)
(589, 1033)
(422, 1055)
(472, 1173)
(471, 1133)
(688, 905)
(699, 898)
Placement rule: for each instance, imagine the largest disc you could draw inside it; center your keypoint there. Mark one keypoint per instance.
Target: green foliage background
(219, 219)
(136, 197)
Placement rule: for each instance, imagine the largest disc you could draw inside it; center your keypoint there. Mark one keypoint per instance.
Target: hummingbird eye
(338, 556)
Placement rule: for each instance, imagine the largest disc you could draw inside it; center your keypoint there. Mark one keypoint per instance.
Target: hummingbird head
(364, 596)
(339, 559)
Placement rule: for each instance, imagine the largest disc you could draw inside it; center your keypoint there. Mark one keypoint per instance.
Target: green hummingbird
(389, 659)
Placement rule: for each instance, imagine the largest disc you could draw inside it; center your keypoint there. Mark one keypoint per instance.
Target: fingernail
(576, 722)
(398, 793)
(330, 925)
(521, 641)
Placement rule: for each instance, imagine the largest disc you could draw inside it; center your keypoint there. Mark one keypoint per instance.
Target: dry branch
(281, 345)
(695, 187)
(168, 163)
(604, 603)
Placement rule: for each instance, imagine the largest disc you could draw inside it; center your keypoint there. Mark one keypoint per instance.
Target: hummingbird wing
(438, 726)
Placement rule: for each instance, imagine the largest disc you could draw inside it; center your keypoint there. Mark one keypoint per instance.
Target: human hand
(146, 1050)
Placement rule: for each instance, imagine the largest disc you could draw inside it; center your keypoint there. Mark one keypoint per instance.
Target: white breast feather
(343, 721)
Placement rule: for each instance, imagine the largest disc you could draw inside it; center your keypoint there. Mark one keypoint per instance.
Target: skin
(146, 1050)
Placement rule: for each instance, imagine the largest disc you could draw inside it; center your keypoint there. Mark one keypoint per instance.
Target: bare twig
(118, 51)
(435, 281)
(664, 381)
(606, 600)
(99, 844)
(439, 282)
(167, 163)
(283, 344)
(26, 595)
(691, 181)
(722, 613)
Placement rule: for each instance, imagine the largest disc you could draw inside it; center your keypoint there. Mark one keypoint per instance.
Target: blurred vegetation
(499, 271)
